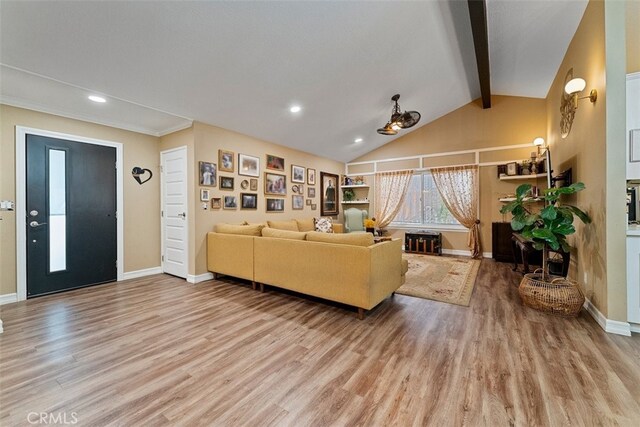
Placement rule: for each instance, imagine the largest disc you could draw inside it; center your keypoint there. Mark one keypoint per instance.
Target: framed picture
(244, 184)
(329, 197)
(297, 202)
(634, 145)
(301, 189)
(216, 203)
(512, 168)
(204, 195)
(275, 163)
(230, 202)
(311, 176)
(253, 184)
(248, 165)
(275, 184)
(248, 201)
(226, 183)
(225, 160)
(275, 205)
(314, 207)
(308, 202)
(297, 174)
(311, 192)
(208, 174)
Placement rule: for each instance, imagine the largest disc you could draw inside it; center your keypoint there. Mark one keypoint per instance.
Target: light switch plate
(6, 205)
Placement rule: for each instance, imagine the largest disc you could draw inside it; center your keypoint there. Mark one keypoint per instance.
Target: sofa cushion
(323, 225)
(306, 224)
(283, 234)
(290, 225)
(364, 239)
(247, 230)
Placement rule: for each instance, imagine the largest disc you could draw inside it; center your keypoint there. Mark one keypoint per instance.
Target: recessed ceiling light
(357, 140)
(295, 109)
(96, 98)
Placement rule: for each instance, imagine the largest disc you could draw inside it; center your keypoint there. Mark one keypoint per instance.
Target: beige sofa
(346, 268)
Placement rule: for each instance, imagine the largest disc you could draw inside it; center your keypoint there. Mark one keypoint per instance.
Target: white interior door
(174, 211)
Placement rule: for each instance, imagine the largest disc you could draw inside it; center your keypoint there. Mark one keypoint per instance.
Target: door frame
(21, 199)
(186, 208)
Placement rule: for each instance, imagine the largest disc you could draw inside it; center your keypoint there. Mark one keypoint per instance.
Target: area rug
(438, 278)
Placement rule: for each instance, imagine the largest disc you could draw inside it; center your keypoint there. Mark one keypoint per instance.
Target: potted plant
(547, 229)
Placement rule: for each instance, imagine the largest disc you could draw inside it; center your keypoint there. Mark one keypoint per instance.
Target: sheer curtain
(458, 186)
(389, 193)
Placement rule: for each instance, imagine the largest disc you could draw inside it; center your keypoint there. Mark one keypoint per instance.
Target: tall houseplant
(548, 228)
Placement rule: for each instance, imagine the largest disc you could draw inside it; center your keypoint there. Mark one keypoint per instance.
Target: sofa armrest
(386, 270)
(230, 254)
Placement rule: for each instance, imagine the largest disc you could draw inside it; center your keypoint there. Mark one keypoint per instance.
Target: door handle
(36, 224)
(183, 215)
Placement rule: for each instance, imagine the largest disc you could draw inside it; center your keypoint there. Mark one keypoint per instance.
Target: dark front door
(71, 215)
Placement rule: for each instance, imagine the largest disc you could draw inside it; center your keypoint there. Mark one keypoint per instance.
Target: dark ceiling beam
(478, 15)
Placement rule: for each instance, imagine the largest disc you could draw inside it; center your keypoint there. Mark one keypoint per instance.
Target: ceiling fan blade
(409, 119)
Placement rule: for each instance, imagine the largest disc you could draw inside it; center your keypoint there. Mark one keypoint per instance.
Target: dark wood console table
(523, 249)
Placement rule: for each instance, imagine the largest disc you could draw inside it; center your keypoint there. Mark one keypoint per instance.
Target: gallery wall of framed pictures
(285, 187)
(253, 180)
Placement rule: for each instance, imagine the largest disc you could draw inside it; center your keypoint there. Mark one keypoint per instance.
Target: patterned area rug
(440, 278)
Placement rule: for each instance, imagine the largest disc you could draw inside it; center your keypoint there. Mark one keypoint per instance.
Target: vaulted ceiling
(242, 65)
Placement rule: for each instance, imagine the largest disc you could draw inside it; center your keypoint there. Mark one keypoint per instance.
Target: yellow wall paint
(204, 141)
(141, 202)
(633, 35)
(585, 151)
(510, 121)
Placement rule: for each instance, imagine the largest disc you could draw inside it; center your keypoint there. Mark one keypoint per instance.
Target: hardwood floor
(158, 351)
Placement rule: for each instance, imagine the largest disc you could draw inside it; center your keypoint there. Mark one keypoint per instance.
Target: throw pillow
(306, 224)
(359, 239)
(323, 225)
(290, 225)
(283, 234)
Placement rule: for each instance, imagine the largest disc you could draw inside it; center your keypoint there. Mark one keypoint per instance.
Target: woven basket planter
(555, 295)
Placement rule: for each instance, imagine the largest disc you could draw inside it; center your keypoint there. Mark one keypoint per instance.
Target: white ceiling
(241, 65)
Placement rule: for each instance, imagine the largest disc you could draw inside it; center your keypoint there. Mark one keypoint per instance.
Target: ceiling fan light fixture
(387, 130)
(399, 120)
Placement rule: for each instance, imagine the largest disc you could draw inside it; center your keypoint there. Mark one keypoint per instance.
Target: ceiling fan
(398, 119)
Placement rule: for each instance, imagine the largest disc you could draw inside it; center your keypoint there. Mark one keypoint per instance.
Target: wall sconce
(574, 87)
(569, 103)
(540, 143)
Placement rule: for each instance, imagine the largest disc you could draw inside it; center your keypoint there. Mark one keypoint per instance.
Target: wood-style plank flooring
(159, 351)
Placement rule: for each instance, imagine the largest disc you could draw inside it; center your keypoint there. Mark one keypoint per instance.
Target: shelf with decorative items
(355, 190)
(519, 177)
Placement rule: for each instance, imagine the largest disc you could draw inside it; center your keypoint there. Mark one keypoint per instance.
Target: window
(423, 206)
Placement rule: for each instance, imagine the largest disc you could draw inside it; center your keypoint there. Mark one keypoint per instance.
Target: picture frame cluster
(277, 184)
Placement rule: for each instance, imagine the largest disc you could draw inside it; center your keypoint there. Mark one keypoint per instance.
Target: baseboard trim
(8, 298)
(635, 327)
(487, 254)
(199, 278)
(609, 326)
(460, 252)
(1, 329)
(141, 273)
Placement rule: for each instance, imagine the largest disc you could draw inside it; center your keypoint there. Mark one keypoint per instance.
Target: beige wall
(203, 142)
(141, 202)
(510, 121)
(585, 151)
(633, 36)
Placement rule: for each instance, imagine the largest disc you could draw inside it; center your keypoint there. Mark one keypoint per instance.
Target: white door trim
(162, 207)
(21, 199)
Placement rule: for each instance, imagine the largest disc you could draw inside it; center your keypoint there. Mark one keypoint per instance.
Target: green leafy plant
(348, 195)
(548, 228)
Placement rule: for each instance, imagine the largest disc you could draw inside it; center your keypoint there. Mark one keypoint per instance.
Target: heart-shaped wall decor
(139, 174)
